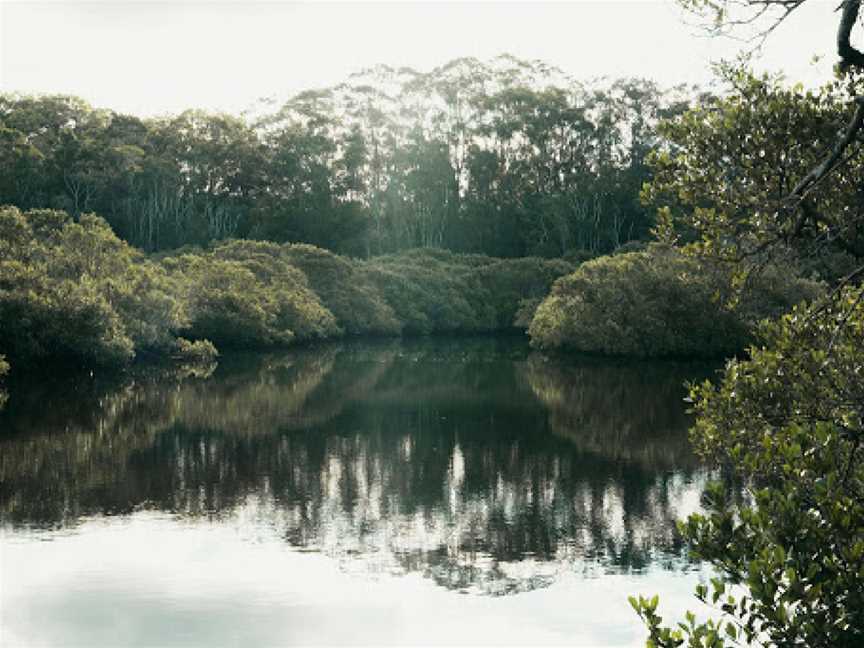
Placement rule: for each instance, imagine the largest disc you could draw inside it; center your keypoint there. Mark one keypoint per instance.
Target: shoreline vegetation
(477, 198)
(72, 293)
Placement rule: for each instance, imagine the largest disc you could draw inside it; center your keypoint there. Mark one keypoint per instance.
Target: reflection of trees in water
(391, 458)
(69, 448)
(480, 505)
(631, 412)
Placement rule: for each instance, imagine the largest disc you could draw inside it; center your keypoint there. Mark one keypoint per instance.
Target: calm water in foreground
(434, 492)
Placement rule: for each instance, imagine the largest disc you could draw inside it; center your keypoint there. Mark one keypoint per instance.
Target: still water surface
(435, 491)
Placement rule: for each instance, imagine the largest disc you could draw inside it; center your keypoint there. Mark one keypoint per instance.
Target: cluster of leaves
(505, 157)
(790, 422)
(660, 302)
(74, 292)
(724, 179)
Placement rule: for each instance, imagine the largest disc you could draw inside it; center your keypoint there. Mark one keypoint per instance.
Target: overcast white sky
(150, 56)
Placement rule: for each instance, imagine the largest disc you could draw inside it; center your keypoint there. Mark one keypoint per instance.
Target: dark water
(437, 491)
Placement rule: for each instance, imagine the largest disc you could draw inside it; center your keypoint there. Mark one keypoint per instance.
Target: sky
(152, 57)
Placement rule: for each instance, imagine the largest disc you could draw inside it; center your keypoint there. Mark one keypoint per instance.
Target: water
(438, 491)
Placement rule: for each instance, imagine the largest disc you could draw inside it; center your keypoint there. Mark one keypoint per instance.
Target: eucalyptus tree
(504, 156)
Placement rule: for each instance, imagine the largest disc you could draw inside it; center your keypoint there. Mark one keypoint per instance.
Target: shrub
(511, 285)
(298, 307)
(429, 291)
(225, 303)
(245, 294)
(54, 296)
(199, 351)
(64, 321)
(345, 290)
(434, 290)
(788, 422)
(659, 303)
(74, 292)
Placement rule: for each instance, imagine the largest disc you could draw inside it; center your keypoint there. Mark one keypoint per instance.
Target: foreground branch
(849, 56)
(822, 170)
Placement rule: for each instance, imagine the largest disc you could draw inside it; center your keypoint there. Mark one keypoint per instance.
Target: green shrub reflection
(482, 466)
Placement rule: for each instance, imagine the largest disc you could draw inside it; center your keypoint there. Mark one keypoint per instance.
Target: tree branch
(849, 56)
(818, 173)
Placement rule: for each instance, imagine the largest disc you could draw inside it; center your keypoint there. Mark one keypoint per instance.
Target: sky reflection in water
(348, 494)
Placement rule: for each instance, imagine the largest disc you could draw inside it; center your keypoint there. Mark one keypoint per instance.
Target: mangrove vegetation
(611, 218)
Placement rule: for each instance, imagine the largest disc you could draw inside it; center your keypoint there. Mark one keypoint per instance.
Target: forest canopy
(504, 157)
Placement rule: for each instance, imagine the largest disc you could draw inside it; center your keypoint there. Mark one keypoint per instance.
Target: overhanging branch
(849, 56)
(827, 164)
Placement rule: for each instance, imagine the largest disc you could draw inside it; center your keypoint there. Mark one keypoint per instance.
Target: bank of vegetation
(73, 292)
(661, 302)
(482, 197)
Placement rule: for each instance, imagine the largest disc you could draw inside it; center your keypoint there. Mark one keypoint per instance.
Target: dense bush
(345, 290)
(72, 291)
(427, 292)
(198, 351)
(228, 304)
(510, 285)
(75, 292)
(434, 290)
(297, 307)
(788, 421)
(660, 303)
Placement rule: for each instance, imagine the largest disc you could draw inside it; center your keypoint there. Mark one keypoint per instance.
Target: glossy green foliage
(789, 422)
(659, 303)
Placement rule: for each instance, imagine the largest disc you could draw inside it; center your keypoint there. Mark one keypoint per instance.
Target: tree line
(505, 157)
